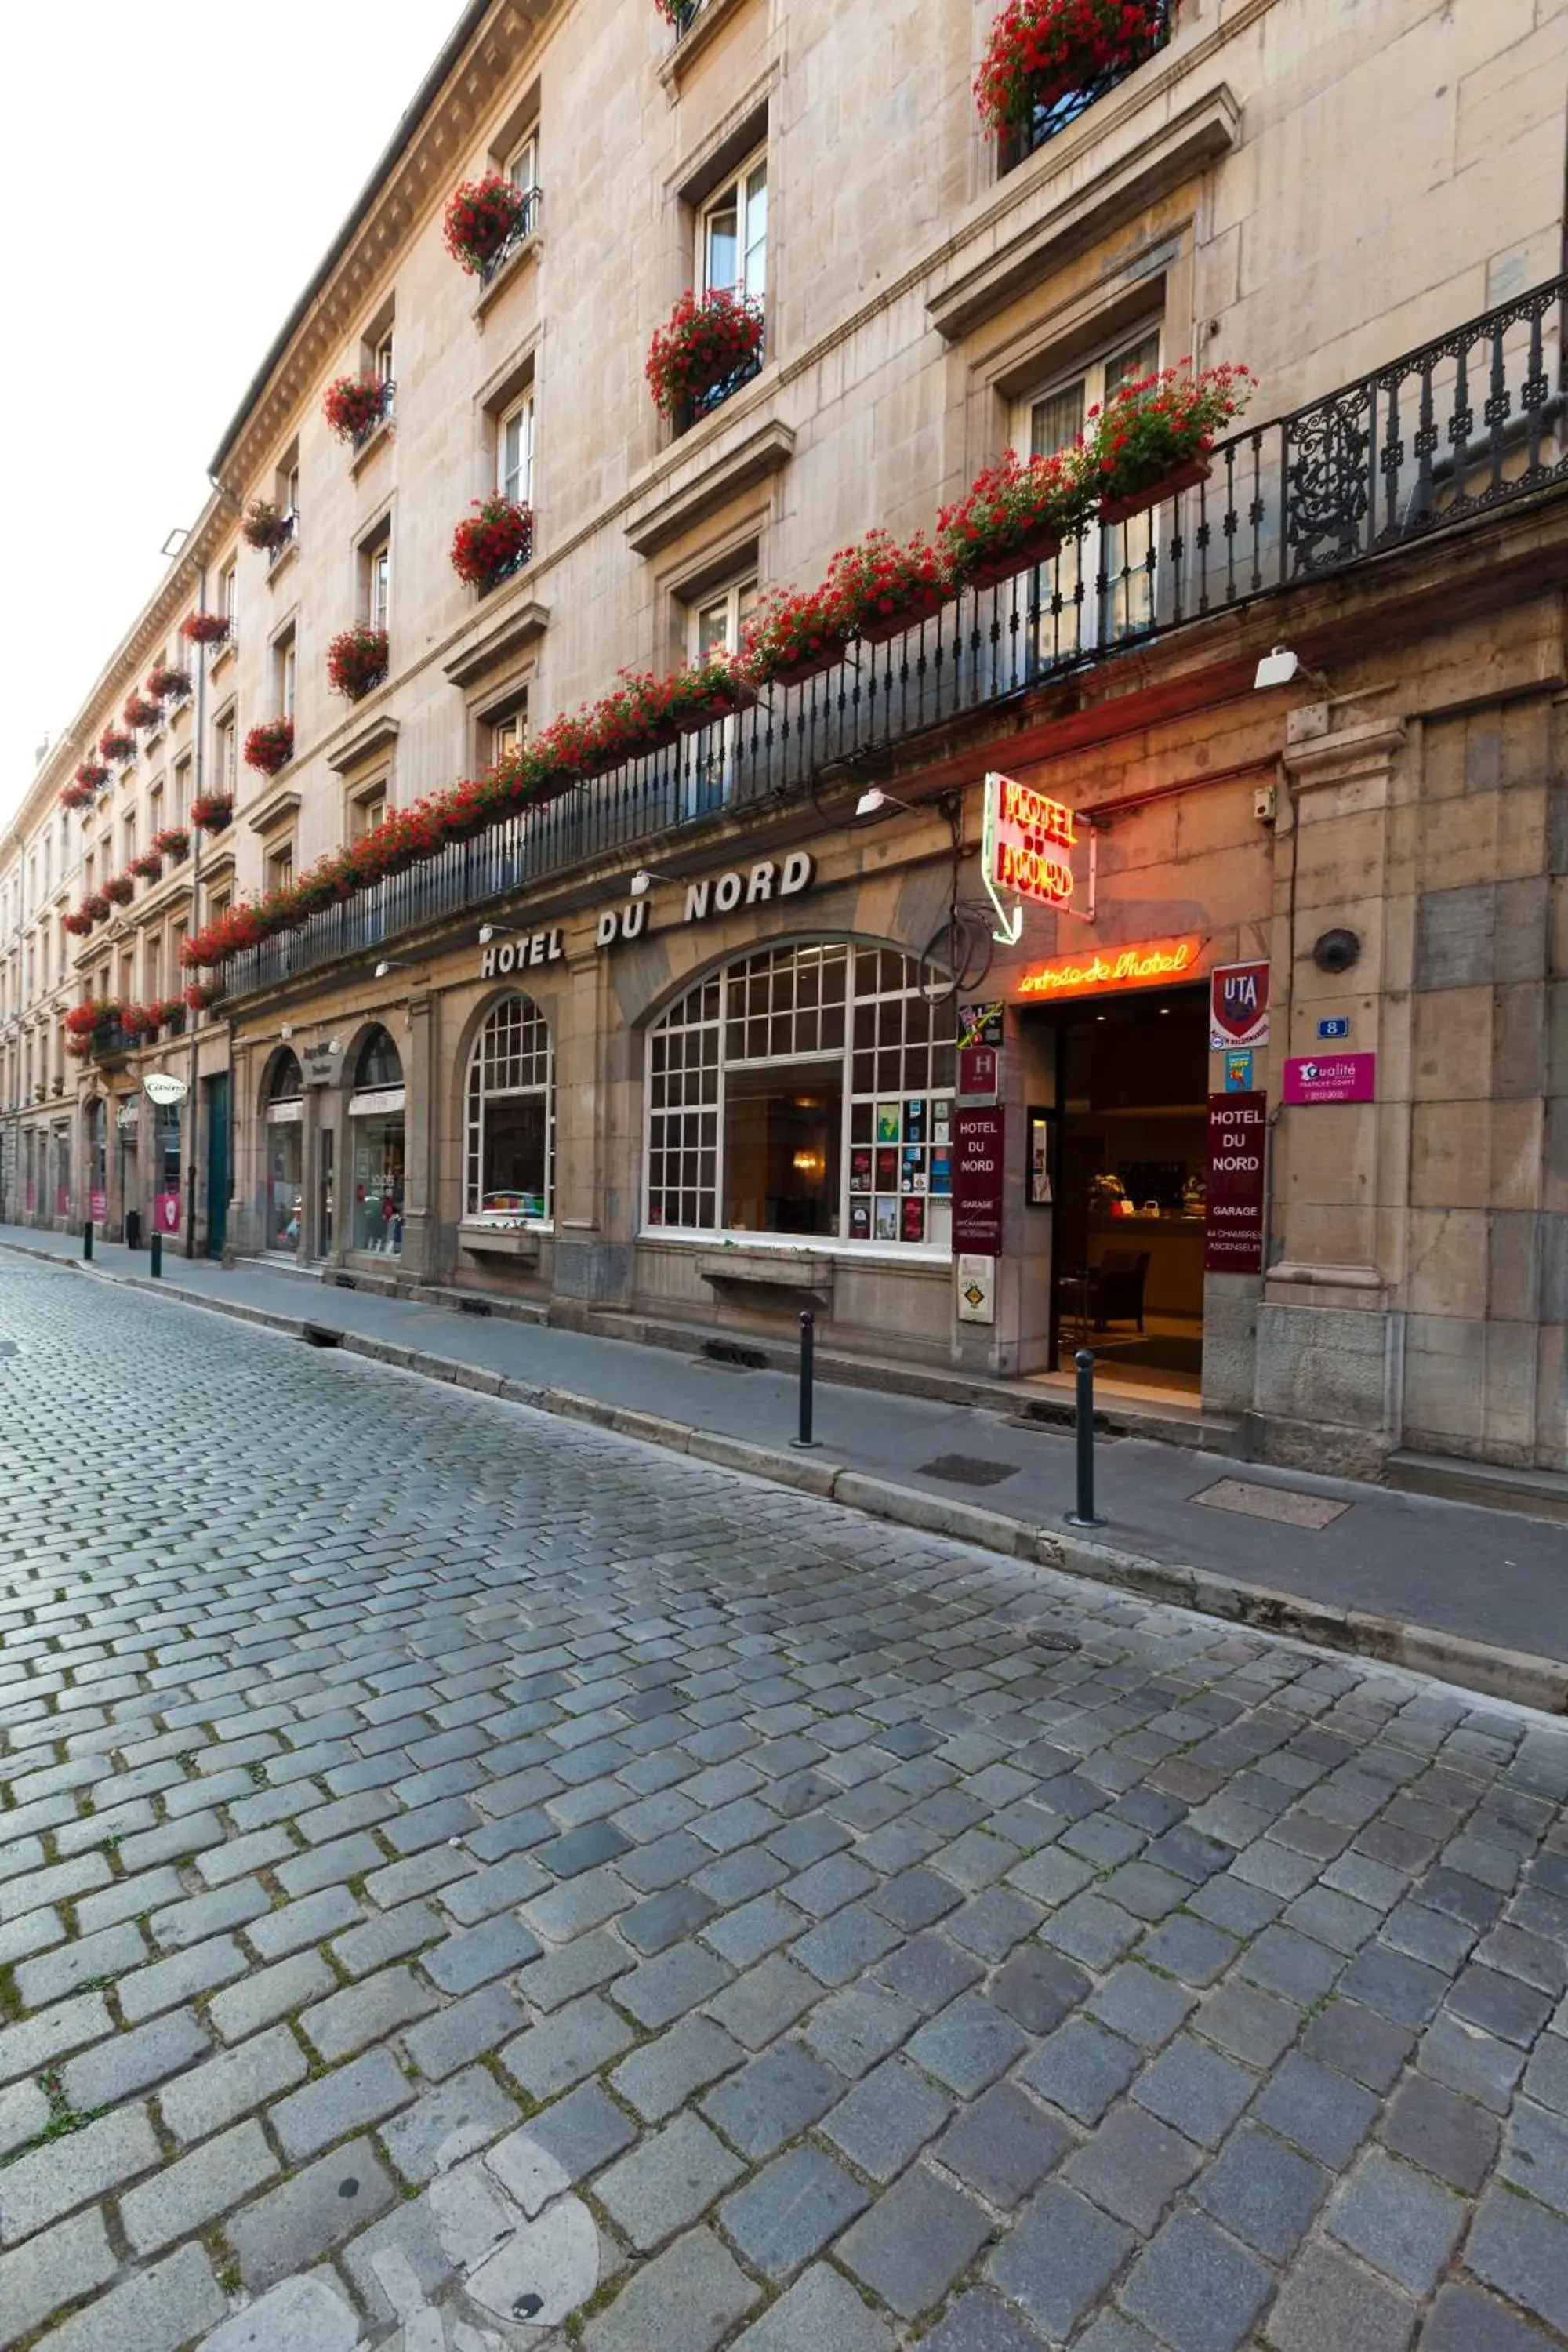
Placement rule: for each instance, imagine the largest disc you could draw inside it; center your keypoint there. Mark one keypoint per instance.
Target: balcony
(527, 226)
(1449, 434)
(1048, 122)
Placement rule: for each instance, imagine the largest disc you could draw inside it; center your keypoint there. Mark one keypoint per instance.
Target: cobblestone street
(470, 1881)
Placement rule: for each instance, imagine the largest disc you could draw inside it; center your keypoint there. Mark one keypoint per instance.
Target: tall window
(280, 866)
(151, 964)
(714, 622)
(380, 359)
(1056, 418)
(377, 1130)
(375, 580)
(285, 671)
(128, 836)
(1123, 557)
(228, 599)
(806, 1090)
(225, 772)
(506, 732)
(367, 812)
(514, 451)
(732, 232)
(285, 1137)
(179, 802)
(511, 1172)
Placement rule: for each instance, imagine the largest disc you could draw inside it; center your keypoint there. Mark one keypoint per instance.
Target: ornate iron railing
(527, 222)
(387, 408)
(287, 531)
(1048, 121)
(1444, 435)
(703, 403)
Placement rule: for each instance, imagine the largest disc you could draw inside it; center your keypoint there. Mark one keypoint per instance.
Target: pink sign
(166, 1212)
(98, 1207)
(1330, 1078)
(62, 1201)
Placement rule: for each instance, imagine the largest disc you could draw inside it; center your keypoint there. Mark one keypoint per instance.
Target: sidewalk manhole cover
(967, 1470)
(1287, 1504)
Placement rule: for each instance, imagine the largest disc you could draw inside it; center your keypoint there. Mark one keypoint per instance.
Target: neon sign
(1142, 966)
(1027, 846)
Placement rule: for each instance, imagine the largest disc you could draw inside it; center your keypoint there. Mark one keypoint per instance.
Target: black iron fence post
(155, 1250)
(87, 1241)
(1083, 1513)
(807, 1371)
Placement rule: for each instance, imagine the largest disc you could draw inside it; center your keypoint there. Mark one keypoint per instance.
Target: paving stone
(1003, 2146)
(691, 2295)
(310, 1921)
(979, 2323)
(179, 1924)
(765, 2001)
(342, 2102)
(1519, 2249)
(886, 2119)
(914, 2241)
(592, 1960)
(1498, 2004)
(1447, 2135)
(1197, 2291)
(789, 2210)
(181, 1977)
(1195, 2090)
(968, 2045)
(1264, 2192)
(474, 1955)
(39, 2188)
(1039, 1989)
(577, 2040)
(185, 2197)
(994, 1923)
(243, 2009)
(664, 1988)
(154, 2311)
(1189, 1949)
(1133, 2166)
(1474, 2064)
(666, 2181)
(1360, 2043)
(1247, 2023)
(819, 2310)
(291, 2227)
(467, 2029)
(777, 2097)
(465, 2114)
(366, 2013)
(1092, 1930)
(1400, 1988)
(24, 2112)
(212, 2095)
(1464, 2321)
(582, 2131)
(1328, 2299)
(1059, 2260)
(134, 2061)
(844, 1946)
(663, 2075)
(388, 1936)
(53, 2269)
(1081, 2069)
(1140, 2006)
(55, 1975)
(929, 1971)
(1401, 2223)
(1317, 2109)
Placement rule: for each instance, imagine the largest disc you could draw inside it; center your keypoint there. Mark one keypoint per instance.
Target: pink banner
(98, 1207)
(62, 1201)
(1331, 1079)
(166, 1212)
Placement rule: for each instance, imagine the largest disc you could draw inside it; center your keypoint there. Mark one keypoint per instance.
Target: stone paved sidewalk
(470, 1881)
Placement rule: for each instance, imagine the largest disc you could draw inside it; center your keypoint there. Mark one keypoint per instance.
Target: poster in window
(941, 1120)
(1038, 1174)
(860, 1170)
(914, 1220)
(941, 1172)
(859, 1221)
(914, 1122)
(889, 1123)
(886, 1168)
(915, 1176)
(888, 1220)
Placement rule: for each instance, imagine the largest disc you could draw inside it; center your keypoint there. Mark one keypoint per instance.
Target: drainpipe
(201, 734)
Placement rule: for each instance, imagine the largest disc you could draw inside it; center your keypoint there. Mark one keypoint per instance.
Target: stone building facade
(710, 1066)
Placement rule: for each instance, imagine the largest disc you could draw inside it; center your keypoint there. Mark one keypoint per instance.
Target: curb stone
(1500, 1673)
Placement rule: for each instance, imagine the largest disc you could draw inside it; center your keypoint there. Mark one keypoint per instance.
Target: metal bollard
(1083, 1514)
(808, 1369)
(155, 1257)
(86, 1242)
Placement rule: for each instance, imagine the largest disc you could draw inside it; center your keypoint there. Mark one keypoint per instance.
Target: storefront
(284, 1129)
(127, 1133)
(508, 1171)
(376, 1111)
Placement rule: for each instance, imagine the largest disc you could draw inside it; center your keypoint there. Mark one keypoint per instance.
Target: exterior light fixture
(388, 965)
(645, 878)
(873, 800)
(489, 932)
(1282, 668)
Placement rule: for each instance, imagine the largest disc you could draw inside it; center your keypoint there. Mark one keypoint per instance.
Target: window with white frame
(514, 450)
(732, 232)
(1119, 558)
(381, 357)
(285, 672)
(366, 810)
(510, 1138)
(225, 772)
(1053, 418)
(714, 621)
(805, 1091)
(229, 598)
(179, 802)
(375, 579)
(523, 170)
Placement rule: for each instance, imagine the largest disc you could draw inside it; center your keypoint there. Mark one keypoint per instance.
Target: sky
(168, 183)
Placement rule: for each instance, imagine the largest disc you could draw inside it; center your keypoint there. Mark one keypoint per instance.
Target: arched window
(511, 1116)
(804, 1090)
(285, 1126)
(377, 1128)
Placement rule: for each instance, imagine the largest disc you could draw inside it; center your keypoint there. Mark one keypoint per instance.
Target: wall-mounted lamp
(489, 932)
(1282, 668)
(645, 878)
(873, 800)
(388, 964)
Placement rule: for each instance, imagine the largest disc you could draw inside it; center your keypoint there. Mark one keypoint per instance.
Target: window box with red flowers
(210, 812)
(205, 629)
(793, 635)
(93, 1019)
(355, 404)
(121, 889)
(201, 996)
(1153, 436)
(78, 794)
(882, 588)
(137, 1021)
(706, 692)
(117, 746)
(1015, 515)
(172, 842)
(137, 712)
(267, 526)
(706, 350)
(356, 661)
(486, 219)
(166, 683)
(79, 922)
(493, 542)
(269, 746)
(148, 866)
(167, 1013)
(97, 907)
(1047, 61)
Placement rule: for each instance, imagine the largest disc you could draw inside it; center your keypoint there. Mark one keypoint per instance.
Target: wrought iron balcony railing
(526, 224)
(703, 403)
(287, 531)
(383, 414)
(1048, 121)
(1447, 434)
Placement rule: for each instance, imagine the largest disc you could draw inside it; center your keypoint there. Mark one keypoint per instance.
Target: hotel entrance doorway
(1128, 1134)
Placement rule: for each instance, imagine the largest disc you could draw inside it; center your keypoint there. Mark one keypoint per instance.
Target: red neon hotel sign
(1144, 965)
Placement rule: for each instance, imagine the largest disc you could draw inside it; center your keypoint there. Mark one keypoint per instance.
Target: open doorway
(1129, 1137)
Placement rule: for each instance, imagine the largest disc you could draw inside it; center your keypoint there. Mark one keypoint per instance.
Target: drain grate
(473, 1306)
(967, 1470)
(730, 1351)
(320, 1335)
(1289, 1506)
